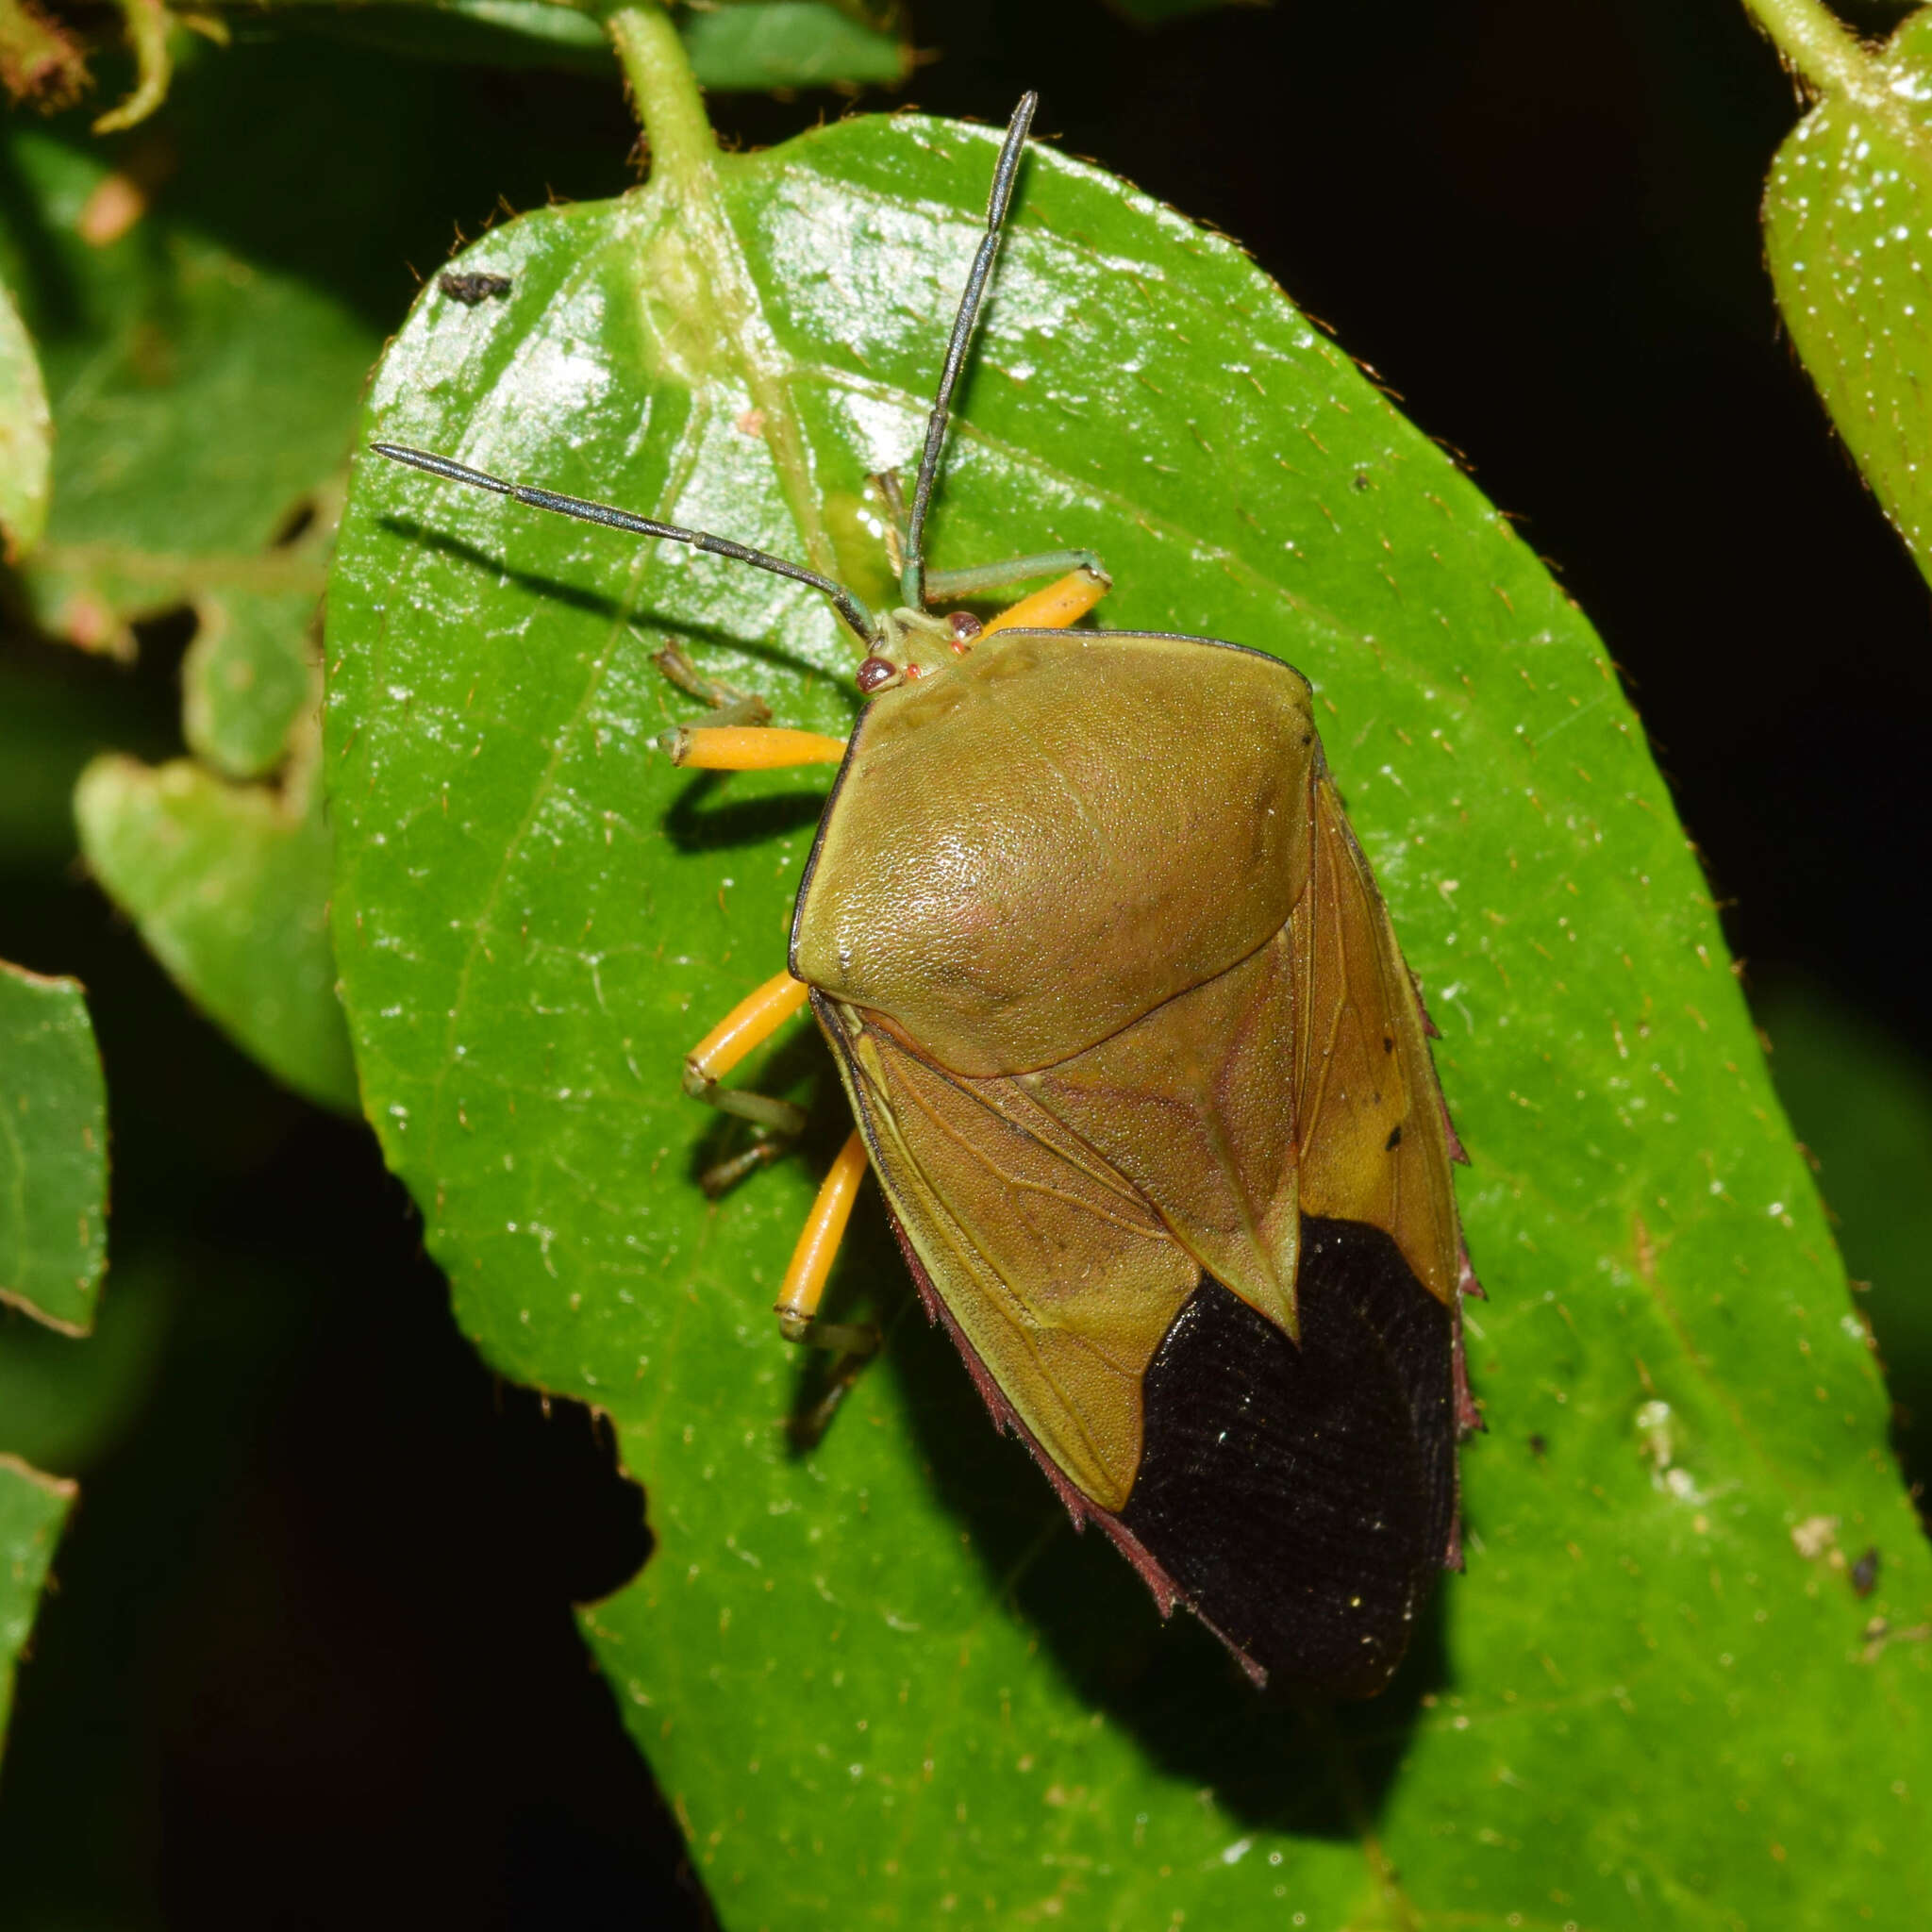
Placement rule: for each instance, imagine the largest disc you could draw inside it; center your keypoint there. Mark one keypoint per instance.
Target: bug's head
(912, 644)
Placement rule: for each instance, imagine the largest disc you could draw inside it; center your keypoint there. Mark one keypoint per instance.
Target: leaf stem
(1825, 52)
(664, 89)
(1831, 60)
(684, 162)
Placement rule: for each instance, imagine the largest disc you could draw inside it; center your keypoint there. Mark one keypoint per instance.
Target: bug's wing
(1058, 1273)
(1194, 1104)
(1373, 1130)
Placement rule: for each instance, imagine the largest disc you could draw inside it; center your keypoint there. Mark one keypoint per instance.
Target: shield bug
(1135, 1056)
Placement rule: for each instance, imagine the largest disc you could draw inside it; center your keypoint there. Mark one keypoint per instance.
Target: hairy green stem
(684, 162)
(664, 90)
(1826, 53)
(1834, 63)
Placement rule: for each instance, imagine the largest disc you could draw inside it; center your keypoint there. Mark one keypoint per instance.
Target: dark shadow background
(1538, 222)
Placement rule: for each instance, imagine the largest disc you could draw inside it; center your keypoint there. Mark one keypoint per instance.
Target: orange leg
(1055, 608)
(750, 747)
(804, 1286)
(818, 1248)
(749, 1023)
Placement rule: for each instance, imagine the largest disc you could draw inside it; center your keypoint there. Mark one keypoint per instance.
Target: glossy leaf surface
(1848, 234)
(883, 1678)
(53, 1151)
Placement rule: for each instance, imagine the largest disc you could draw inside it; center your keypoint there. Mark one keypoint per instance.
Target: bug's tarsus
(725, 1174)
(778, 1117)
(912, 577)
(857, 1345)
(845, 601)
(729, 706)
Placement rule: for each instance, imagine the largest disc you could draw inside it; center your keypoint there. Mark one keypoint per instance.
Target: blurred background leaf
(199, 390)
(33, 1507)
(53, 1152)
(249, 677)
(53, 1238)
(1860, 1099)
(734, 45)
(229, 887)
(25, 436)
(204, 380)
(760, 46)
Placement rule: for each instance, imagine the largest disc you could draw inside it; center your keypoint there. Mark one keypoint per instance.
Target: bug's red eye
(965, 627)
(876, 672)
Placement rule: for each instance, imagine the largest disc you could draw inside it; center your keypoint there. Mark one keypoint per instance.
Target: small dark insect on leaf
(472, 289)
(1865, 1573)
(1537, 1447)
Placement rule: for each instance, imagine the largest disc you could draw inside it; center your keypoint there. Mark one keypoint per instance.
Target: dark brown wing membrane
(1301, 1498)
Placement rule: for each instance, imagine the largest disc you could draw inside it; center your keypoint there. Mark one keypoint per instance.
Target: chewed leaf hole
(570, 1510)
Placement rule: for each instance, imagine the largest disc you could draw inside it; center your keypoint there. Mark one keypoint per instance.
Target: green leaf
(53, 1151)
(167, 355)
(248, 679)
(744, 46)
(64, 1404)
(33, 1508)
(204, 398)
(1848, 234)
(229, 887)
(756, 46)
(1863, 1104)
(885, 1669)
(53, 1241)
(26, 436)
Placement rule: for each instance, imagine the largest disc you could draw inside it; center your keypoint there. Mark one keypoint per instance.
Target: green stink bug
(1135, 1056)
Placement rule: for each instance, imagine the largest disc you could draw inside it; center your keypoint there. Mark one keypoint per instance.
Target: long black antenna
(912, 577)
(858, 618)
